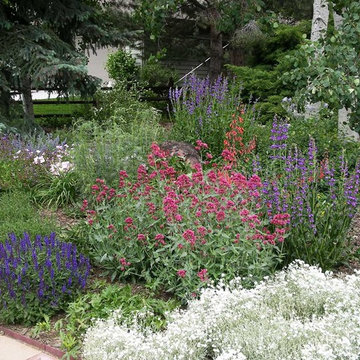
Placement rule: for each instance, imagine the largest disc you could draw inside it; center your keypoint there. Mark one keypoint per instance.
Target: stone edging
(35, 343)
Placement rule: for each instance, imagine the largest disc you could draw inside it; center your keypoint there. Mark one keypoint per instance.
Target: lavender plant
(24, 161)
(38, 277)
(321, 197)
(201, 110)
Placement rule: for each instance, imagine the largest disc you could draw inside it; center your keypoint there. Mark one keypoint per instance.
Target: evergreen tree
(43, 44)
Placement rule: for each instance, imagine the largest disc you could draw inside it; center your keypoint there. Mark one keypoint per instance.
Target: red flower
(189, 236)
(202, 274)
(181, 273)
(129, 221)
(220, 215)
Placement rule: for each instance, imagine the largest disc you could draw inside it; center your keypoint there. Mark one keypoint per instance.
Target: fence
(161, 95)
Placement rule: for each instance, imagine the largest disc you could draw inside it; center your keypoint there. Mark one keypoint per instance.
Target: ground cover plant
(38, 276)
(100, 300)
(300, 313)
(26, 160)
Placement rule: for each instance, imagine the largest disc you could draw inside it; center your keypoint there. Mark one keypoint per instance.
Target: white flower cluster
(56, 158)
(301, 313)
(58, 165)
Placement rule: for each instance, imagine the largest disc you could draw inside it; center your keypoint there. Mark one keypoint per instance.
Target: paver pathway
(11, 349)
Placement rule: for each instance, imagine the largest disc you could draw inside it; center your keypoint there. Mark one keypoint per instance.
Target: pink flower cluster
(181, 214)
(124, 263)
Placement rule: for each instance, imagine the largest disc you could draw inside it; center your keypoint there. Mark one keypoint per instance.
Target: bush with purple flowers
(321, 195)
(38, 277)
(201, 110)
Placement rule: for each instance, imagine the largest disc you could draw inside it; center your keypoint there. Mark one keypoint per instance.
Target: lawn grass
(19, 215)
(44, 109)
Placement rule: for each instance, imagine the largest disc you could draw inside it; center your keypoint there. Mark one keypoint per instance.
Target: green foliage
(297, 10)
(323, 130)
(99, 303)
(154, 73)
(328, 70)
(119, 137)
(278, 42)
(261, 81)
(153, 14)
(57, 190)
(121, 66)
(19, 215)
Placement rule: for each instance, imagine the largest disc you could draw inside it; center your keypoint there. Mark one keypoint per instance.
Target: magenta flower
(220, 215)
(190, 237)
(202, 274)
(181, 273)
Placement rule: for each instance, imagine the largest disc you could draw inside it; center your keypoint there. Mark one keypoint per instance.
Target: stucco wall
(97, 62)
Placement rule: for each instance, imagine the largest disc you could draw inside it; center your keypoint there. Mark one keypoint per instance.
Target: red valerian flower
(202, 274)
(181, 273)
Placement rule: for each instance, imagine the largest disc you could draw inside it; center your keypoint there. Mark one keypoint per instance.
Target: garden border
(35, 343)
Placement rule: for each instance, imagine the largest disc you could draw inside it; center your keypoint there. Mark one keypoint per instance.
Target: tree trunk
(237, 57)
(216, 44)
(5, 99)
(318, 29)
(28, 105)
(216, 52)
(320, 19)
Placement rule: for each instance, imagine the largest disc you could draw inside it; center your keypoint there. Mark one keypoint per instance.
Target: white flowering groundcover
(301, 313)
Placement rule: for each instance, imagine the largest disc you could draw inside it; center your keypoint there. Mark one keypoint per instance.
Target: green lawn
(43, 109)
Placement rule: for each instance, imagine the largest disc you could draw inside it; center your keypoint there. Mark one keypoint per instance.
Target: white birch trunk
(318, 29)
(320, 19)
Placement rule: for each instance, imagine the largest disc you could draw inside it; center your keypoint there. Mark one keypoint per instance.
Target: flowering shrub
(321, 197)
(38, 276)
(301, 313)
(180, 231)
(201, 110)
(23, 163)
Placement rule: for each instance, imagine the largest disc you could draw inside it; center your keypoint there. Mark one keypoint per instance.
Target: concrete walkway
(11, 349)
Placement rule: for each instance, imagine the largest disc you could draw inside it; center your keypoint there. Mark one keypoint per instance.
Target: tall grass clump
(104, 149)
(117, 137)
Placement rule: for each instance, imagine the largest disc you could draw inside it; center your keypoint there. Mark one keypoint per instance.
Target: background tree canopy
(44, 43)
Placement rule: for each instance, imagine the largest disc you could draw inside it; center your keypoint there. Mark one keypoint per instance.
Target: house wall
(97, 61)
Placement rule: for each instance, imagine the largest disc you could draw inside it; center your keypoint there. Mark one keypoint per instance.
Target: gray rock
(181, 149)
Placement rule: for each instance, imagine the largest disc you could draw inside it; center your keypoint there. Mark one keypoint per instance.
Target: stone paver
(11, 349)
